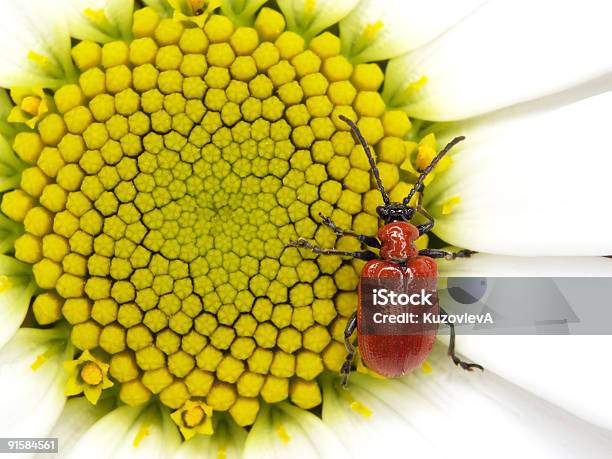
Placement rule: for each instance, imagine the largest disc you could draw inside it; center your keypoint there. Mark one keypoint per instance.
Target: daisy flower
(157, 158)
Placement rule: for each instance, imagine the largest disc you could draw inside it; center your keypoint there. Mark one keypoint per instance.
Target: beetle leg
(425, 227)
(451, 350)
(437, 253)
(304, 244)
(351, 326)
(370, 241)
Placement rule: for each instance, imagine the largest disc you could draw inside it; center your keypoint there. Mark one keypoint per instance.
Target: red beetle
(393, 355)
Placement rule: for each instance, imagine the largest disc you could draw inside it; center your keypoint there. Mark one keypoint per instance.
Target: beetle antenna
(419, 183)
(368, 152)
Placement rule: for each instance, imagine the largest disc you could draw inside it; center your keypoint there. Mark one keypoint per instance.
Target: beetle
(393, 355)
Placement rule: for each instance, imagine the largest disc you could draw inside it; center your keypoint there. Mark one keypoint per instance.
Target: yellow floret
(86, 55)
(305, 394)
(46, 273)
(168, 32)
(396, 123)
(33, 181)
(52, 128)
(134, 393)
(68, 97)
(53, 198)
(93, 82)
(275, 389)
(28, 248)
(244, 411)
(369, 103)
(85, 335)
(28, 145)
(114, 53)
(145, 22)
(218, 28)
(326, 45)
(78, 119)
(221, 396)
(337, 68)
(269, 24)
(367, 77)
(118, 78)
(194, 41)
(76, 310)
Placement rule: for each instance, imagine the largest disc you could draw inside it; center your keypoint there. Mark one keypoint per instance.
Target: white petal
(506, 52)
(227, 441)
(84, 25)
(536, 185)
(161, 6)
(483, 265)
(36, 26)
(452, 413)
(309, 17)
(572, 372)
(78, 416)
(283, 431)
(130, 432)
(15, 295)
(32, 400)
(398, 26)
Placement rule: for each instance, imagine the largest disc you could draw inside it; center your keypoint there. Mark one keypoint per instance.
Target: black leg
(370, 241)
(425, 227)
(451, 350)
(304, 244)
(351, 325)
(436, 253)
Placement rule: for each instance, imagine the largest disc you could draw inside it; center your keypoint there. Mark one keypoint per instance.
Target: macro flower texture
(157, 159)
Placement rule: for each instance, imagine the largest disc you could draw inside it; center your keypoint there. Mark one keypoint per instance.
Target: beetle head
(395, 212)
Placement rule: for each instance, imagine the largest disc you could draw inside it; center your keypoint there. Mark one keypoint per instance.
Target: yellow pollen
(91, 374)
(282, 434)
(193, 416)
(31, 105)
(143, 432)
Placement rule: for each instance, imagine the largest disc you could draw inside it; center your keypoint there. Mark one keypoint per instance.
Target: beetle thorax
(398, 241)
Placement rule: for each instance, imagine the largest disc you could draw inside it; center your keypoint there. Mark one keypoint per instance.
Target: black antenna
(366, 148)
(419, 183)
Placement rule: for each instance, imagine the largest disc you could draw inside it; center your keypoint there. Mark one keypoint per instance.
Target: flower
(151, 206)
(87, 375)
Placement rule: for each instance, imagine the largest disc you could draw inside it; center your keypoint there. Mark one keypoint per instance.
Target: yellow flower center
(163, 193)
(91, 374)
(193, 416)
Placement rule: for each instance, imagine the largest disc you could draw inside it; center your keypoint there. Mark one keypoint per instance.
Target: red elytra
(393, 355)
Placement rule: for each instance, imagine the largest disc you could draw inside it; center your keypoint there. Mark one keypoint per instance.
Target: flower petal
(100, 20)
(161, 6)
(78, 416)
(570, 371)
(227, 441)
(378, 30)
(40, 44)
(130, 432)
(16, 290)
(32, 382)
(504, 53)
(284, 430)
(436, 412)
(309, 17)
(518, 183)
